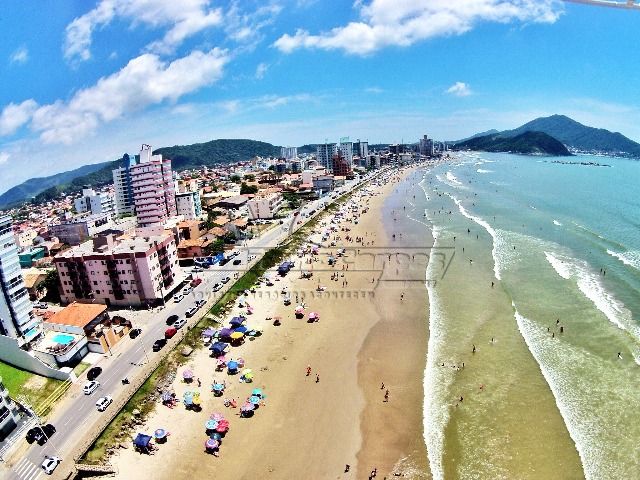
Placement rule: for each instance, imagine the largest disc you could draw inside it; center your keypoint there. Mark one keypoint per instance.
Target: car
(180, 323)
(41, 305)
(187, 290)
(158, 344)
(177, 298)
(90, 387)
(93, 373)
(50, 463)
(200, 303)
(170, 332)
(49, 430)
(224, 261)
(172, 319)
(133, 333)
(216, 287)
(36, 434)
(190, 313)
(237, 261)
(195, 282)
(103, 403)
(225, 279)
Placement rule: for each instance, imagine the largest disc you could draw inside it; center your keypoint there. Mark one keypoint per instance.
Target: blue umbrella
(242, 329)
(225, 332)
(232, 365)
(218, 387)
(254, 399)
(216, 436)
(211, 425)
(236, 321)
(257, 392)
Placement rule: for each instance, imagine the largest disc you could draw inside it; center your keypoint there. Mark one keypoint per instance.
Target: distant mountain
(308, 148)
(216, 152)
(578, 136)
(481, 134)
(529, 143)
(33, 186)
(183, 157)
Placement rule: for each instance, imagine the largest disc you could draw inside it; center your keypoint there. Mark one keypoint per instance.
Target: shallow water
(553, 404)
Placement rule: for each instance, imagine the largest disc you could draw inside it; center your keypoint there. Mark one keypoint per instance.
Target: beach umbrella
(241, 329)
(209, 332)
(257, 392)
(254, 399)
(232, 365)
(223, 426)
(314, 316)
(247, 407)
(211, 444)
(236, 335)
(187, 374)
(218, 387)
(236, 322)
(299, 309)
(216, 436)
(160, 433)
(247, 371)
(211, 424)
(225, 332)
(216, 416)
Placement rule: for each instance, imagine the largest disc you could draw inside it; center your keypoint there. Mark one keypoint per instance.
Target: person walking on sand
(308, 370)
(347, 467)
(382, 387)
(402, 296)
(474, 349)
(386, 396)
(199, 382)
(317, 378)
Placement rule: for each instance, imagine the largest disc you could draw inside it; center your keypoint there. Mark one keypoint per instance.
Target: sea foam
(592, 288)
(557, 223)
(630, 257)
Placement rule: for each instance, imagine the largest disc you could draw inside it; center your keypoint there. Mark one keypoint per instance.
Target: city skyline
(86, 82)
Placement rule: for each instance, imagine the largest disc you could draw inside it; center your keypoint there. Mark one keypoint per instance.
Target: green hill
(528, 143)
(576, 135)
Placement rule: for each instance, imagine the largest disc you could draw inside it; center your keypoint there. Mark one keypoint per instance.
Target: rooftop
(78, 314)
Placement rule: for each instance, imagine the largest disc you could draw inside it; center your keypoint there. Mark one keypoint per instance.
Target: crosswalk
(27, 470)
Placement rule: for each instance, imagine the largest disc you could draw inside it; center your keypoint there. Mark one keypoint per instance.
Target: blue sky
(83, 82)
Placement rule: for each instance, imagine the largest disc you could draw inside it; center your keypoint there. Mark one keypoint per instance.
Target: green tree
(246, 189)
(235, 178)
(250, 177)
(52, 284)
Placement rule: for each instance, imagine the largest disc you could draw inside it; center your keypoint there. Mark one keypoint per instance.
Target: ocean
(533, 368)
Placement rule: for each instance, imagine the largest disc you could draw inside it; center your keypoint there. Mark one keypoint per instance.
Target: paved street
(79, 412)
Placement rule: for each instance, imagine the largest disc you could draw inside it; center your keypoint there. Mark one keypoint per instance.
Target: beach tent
(236, 321)
(142, 441)
(218, 348)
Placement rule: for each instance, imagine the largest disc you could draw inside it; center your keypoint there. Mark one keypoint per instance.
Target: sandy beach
(372, 330)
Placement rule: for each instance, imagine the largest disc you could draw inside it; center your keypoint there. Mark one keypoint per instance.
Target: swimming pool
(63, 338)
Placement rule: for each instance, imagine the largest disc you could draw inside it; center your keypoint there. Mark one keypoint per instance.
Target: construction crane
(628, 4)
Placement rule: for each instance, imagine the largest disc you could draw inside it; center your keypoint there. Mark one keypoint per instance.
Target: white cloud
(261, 69)
(246, 28)
(4, 157)
(402, 23)
(144, 81)
(186, 18)
(21, 55)
(459, 89)
(13, 116)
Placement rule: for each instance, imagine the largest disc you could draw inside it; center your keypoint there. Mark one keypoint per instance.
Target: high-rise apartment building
(426, 146)
(189, 205)
(153, 189)
(95, 202)
(123, 189)
(288, 153)
(346, 151)
(325, 153)
(16, 315)
(360, 149)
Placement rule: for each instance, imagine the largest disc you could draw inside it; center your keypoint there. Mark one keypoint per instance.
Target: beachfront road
(78, 414)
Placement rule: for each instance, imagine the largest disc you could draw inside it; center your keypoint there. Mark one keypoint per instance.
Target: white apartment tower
(95, 202)
(325, 153)
(153, 189)
(16, 315)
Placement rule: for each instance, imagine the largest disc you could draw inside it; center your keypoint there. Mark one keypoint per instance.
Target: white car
(178, 324)
(50, 463)
(90, 387)
(103, 403)
(186, 290)
(177, 298)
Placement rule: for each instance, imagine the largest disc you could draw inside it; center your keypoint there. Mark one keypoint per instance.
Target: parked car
(200, 303)
(179, 324)
(41, 305)
(172, 319)
(171, 331)
(158, 344)
(90, 387)
(195, 282)
(237, 261)
(36, 434)
(134, 332)
(224, 261)
(191, 312)
(50, 463)
(217, 287)
(177, 298)
(225, 279)
(103, 403)
(187, 290)
(93, 373)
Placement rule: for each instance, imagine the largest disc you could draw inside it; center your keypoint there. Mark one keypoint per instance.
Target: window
(97, 292)
(95, 283)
